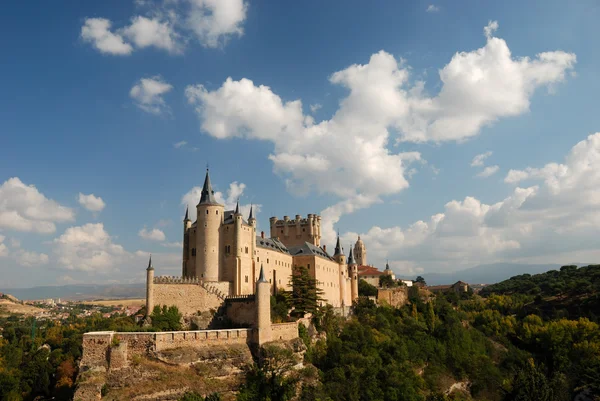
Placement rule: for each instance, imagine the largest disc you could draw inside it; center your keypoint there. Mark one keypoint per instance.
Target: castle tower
(149, 288)
(252, 222)
(187, 223)
(353, 273)
(263, 309)
(238, 245)
(360, 252)
(297, 231)
(340, 258)
(208, 223)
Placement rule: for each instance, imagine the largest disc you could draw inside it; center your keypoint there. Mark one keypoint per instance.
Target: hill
(488, 274)
(80, 292)
(9, 306)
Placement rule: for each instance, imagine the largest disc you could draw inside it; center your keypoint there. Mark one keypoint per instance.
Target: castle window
(304, 229)
(206, 211)
(267, 260)
(217, 212)
(246, 278)
(246, 249)
(193, 251)
(258, 258)
(282, 231)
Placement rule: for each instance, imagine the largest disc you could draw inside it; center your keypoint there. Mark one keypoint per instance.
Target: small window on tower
(206, 211)
(217, 212)
(246, 278)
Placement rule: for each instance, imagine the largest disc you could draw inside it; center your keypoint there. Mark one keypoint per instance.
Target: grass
(118, 302)
(8, 308)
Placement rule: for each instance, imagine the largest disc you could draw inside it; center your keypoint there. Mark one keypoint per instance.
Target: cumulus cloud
(229, 199)
(97, 32)
(315, 107)
(30, 259)
(179, 144)
(24, 208)
(488, 171)
(555, 221)
(432, 8)
(152, 235)
(88, 248)
(148, 93)
(348, 155)
(91, 202)
(479, 160)
(169, 26)
(215, 21)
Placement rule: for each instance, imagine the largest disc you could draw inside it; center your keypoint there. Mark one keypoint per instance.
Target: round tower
(149, 288)
(263, 309)
(208, 224)
(238, 251)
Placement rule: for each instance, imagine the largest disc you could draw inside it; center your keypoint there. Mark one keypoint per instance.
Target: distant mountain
(78, 292)
(489, 274)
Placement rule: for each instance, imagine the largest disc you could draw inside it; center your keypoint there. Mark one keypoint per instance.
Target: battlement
(241, 298)
(176, 280)
(292, 232)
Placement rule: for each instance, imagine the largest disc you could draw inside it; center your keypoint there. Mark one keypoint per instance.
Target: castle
(223, 255)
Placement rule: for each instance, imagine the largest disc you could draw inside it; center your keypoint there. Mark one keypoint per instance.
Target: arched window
(217, 212)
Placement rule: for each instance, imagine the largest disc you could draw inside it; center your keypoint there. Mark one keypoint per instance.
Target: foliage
(270, 379)
(280, 307)
(365, 289)
(306, 296)
(386, 281)
(166, 318)
(303, 334)
(420, 280)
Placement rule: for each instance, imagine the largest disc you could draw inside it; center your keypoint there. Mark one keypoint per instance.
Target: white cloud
(148, 95)
(315, 107)
(349, 155)
(88, 248)
(91, 202)
(145, 32)
(490, 28)
(97, 31)
(557, 221)
(3, 248)
(215, 21)
(24, 208)
(152, 235)
(488, 171)
(172, 245)
(432, 8)
(179, 144)
(479, 160)
(229, 200)
(169, 26)
(30, 259)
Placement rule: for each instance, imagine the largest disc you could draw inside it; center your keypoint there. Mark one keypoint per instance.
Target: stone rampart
(241, 310)
(189, 298)
(284, 331)
(395, 297)
(114, 350)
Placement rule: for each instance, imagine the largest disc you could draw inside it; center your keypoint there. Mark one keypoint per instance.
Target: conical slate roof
(208, 195)
(150, 267)
(351, 258)
(186, 214)
(261, 277)
(251, 214)
(338, 247)
(237, 207)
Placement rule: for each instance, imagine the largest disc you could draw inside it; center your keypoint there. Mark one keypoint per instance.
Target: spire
(186, 214)
(338, 248)
(208, 195)
(251, 215)
(261, 277)
(150, 267)
(351, 257)
(387, 265)
(237, 207)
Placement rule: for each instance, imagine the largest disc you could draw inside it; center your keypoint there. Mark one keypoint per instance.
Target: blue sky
(371, 115)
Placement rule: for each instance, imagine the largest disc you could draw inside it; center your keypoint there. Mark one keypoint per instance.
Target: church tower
(208, 224)
(360, 252)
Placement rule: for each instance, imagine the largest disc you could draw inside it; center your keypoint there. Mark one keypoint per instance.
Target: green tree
(420, 280)
(365, 289)
(166, 318)
(306, 295)
(386, 281)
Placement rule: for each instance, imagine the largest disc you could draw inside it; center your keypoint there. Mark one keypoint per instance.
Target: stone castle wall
(114, 350)
(395, 297)
(284, 331)
(241, 310)
(189, 298)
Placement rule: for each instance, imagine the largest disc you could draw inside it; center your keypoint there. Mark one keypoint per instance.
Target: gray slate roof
(207, 197)
(309, 249)
(272, 244)
(228, 217)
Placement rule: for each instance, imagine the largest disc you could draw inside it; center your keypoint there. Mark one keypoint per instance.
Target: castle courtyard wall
(189, 298)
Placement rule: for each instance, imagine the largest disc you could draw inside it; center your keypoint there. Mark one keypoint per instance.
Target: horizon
(446, 137)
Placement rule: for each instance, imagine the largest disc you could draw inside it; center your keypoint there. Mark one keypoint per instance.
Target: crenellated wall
(188, 297)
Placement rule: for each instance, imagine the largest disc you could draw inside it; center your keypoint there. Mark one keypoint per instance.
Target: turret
(263, 309)
(149, 287)
(338, 254)
(208, 223)
(251, 218)
(353, 273)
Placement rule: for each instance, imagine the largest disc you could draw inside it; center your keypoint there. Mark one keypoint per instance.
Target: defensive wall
(190, 295)
(114, 350)
(395, 297)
